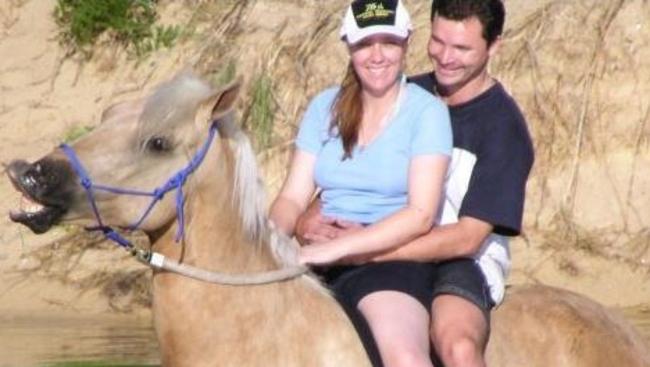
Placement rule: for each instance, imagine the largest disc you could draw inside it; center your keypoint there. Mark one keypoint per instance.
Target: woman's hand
(321, 253)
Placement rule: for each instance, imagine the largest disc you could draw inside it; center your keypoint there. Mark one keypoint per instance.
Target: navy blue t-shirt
(493, 155)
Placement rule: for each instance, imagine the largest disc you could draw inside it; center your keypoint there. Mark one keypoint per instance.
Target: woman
(378, 149)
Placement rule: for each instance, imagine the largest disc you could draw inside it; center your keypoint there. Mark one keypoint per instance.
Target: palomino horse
(210, 216)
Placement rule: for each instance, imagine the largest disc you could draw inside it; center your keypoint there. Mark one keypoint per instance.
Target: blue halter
(176, 182)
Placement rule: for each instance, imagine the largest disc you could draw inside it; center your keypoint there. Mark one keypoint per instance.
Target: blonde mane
(250, 198)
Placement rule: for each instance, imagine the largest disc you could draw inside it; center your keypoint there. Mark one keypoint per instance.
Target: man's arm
(426, 175)
(460, 239)
(444, 242)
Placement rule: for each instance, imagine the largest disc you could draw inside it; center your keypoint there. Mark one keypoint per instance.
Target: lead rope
(155, 259)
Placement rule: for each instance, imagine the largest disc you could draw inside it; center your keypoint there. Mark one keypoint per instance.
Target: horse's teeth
(29, 206)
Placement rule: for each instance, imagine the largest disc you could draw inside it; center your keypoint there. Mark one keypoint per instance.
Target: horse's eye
(158, 144)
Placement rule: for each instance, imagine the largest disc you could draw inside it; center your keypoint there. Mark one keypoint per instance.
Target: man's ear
(494, 47)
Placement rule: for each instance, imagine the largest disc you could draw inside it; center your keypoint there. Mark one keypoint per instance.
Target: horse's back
(545, 326)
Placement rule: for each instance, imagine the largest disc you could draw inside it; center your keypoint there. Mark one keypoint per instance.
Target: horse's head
(138, 147)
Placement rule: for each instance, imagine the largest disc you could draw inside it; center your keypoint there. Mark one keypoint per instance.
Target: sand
(601, 250)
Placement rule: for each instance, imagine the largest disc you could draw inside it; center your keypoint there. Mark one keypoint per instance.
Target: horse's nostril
(29, 180)
(40, 178)
(43, 173)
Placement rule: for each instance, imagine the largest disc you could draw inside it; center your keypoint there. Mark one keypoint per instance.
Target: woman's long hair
(347, 111)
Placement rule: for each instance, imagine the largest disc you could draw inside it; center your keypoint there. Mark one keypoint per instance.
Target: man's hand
(312, 226)
(346, 226)
(330, 251)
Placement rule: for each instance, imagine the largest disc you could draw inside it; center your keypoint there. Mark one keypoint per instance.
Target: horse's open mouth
(38, 216)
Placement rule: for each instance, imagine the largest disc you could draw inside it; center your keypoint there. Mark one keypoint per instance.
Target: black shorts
(465, 279)
(422, 281)
(352, 283)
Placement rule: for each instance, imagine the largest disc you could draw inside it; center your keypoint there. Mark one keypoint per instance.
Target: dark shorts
(463, 278)
(352, 283)
(422, 281)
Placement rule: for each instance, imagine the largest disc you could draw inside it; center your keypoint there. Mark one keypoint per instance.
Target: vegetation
(96, 364)
(226, 74)
(75, 132)
(260, 115)
(130, 23)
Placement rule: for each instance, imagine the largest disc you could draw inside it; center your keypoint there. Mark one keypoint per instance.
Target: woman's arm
(296, 193)
(425, 182)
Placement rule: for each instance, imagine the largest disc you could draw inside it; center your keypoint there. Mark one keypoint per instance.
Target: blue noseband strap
(176, 182)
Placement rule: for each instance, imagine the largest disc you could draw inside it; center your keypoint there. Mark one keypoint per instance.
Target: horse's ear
(219, 103)
(225, 99)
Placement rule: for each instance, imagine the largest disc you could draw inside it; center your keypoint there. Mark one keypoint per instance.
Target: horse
(227, 288)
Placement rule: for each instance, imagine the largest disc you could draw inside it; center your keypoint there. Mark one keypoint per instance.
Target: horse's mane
(177, 100)
(251, 200)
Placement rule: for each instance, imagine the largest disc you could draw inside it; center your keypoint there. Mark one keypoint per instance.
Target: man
(485, 190)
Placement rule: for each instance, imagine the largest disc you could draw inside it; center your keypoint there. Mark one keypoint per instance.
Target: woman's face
(378, 61)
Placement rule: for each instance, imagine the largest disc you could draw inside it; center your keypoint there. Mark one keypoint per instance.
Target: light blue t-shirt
(373, 183)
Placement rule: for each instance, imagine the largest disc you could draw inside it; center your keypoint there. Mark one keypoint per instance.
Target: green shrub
(225, 74)
(128, 22)
(75, 132)
(261, 111)
(96, 364)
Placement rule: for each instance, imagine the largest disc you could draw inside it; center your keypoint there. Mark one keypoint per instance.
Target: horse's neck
(206, 324)
(214, 236)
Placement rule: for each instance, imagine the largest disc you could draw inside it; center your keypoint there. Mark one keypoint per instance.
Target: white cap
(368, 17)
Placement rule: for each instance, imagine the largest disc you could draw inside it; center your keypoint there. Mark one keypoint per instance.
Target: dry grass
(61, 261)
(578, 69)
(565, 234)
(9, 13)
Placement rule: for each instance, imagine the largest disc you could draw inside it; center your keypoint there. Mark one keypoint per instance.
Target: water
(640, 317)
(38, 340)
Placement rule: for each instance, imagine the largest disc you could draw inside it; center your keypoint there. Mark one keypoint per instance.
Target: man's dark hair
(491, 14)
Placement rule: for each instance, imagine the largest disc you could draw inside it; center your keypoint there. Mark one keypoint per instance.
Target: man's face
(458, 51)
